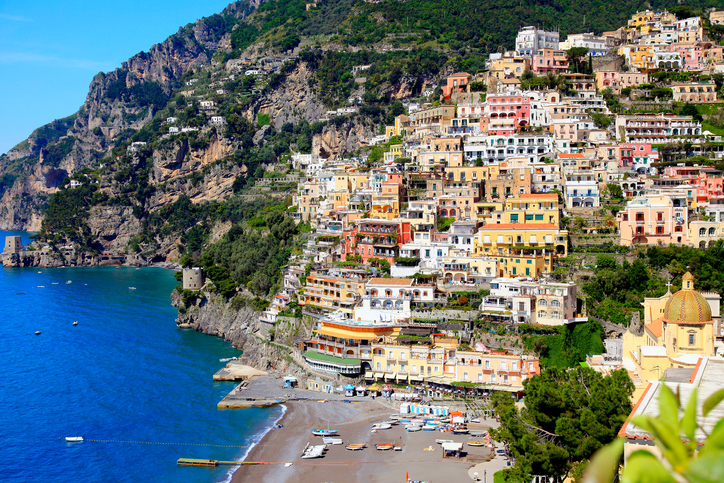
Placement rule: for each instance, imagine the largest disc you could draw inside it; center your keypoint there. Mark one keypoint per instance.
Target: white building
(596, 45)
(530, 40)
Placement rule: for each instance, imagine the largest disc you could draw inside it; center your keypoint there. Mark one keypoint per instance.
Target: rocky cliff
(211, 315)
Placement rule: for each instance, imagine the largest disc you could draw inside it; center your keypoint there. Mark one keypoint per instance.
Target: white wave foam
(255, 439)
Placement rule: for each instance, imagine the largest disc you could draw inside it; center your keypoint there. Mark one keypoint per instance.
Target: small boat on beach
(325, 432)
(316, 451)
(332, 440)
(413, 427)
(381, 426)
(460, 431)
(441, 441)
(477, 443)
(385, 446)
(478, 434)
(74, 439)
(356, 446)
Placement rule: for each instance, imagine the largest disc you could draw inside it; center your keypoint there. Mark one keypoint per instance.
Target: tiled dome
(687, 305)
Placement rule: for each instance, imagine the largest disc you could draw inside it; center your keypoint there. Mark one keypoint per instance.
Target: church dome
(687, 305)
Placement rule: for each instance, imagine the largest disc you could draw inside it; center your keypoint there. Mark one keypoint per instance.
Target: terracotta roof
(622, 432)
(656, 327)
(574, 155)
(390, 281)
(520, 226)
(460, 74)
(540, 195)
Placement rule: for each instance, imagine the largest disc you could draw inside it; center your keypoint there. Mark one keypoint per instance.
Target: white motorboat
(332, 440)
(325, 432)
(74, 439)
(381, 426)
(441, 441)
(75, 323)
(316, 451)
(227, 359)
(37, 332)
(413, 427)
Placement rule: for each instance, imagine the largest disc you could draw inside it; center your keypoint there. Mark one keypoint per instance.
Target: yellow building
(394, 153)
(677, 335)
(393, 361)
(402, 123)
(385, 206)
(333, 292)
(533, 208)
(523, 249)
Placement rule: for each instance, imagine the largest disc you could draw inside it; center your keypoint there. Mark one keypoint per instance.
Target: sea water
(138, 389)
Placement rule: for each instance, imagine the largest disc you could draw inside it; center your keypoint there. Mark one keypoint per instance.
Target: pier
(198, 462)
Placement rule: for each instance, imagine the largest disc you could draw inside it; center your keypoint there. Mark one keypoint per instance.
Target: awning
(452, 446)
(415, 378)
(374, 387)
(379, 375)
(393, 376)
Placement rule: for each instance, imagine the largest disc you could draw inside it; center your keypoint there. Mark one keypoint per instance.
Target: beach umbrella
(407, 476)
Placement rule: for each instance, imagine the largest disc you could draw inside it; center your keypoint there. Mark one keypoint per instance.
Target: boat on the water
(385, 446)
(227, 359)
(37, 332)
(19, 293)
(75, 323)
(381, 426)
(131, 288)
(325, 432)
(74, 439)
(55, 283)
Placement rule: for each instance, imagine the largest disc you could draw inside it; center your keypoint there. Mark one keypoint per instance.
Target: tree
(569, 414)
(614, 191)
(576, 57)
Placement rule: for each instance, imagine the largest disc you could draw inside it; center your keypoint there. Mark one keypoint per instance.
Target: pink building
(654, 220)
(692, 55)
(710, 185)
(549, 60)
(638, 156)
(507, 112)
(620, 80)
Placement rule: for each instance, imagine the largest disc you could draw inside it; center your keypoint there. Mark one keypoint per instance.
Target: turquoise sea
(139, 390)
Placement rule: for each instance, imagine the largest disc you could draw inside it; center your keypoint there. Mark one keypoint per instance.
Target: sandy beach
(354, 421)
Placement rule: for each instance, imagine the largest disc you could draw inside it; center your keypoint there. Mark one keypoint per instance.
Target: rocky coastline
(211, 314)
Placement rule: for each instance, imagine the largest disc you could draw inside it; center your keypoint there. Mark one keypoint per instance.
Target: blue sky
(50, 51)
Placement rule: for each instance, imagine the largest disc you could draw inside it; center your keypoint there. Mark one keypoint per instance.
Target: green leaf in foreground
(604, 464)
(712, 401)
(643, 467)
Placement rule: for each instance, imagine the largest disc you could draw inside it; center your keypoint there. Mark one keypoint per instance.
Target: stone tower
(13, 245)
(193, 278)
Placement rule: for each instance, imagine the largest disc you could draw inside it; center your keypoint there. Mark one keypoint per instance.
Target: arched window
(712, 231)
(555, 303)
(543, 302)
(702, 231)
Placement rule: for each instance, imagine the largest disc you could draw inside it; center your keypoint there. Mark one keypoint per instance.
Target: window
(542, 314)
(542, 302)
(556, 303)
(503, 366)
(514, 366)
(487, 364)
(692, 338)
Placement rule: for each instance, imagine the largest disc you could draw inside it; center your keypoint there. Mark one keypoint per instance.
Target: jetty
(236, 371)
(200, 462)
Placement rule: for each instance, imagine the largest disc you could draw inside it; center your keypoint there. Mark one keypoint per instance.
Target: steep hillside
(306, 53)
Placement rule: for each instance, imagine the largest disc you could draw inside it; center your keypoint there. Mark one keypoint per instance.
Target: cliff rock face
(293, 101)
(338, 140)
(242, 328)
(111, 107)
(113, 226)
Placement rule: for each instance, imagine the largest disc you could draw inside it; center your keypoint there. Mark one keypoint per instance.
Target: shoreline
(420, 457)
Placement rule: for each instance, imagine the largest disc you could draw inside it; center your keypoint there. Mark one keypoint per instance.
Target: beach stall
(405, 408)
(386, 390)
(290, 382)
(374, 390)
(452, 450)
(349, 390)
(361, 390)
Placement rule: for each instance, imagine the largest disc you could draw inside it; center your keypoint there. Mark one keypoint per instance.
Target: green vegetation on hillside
(569, 346)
